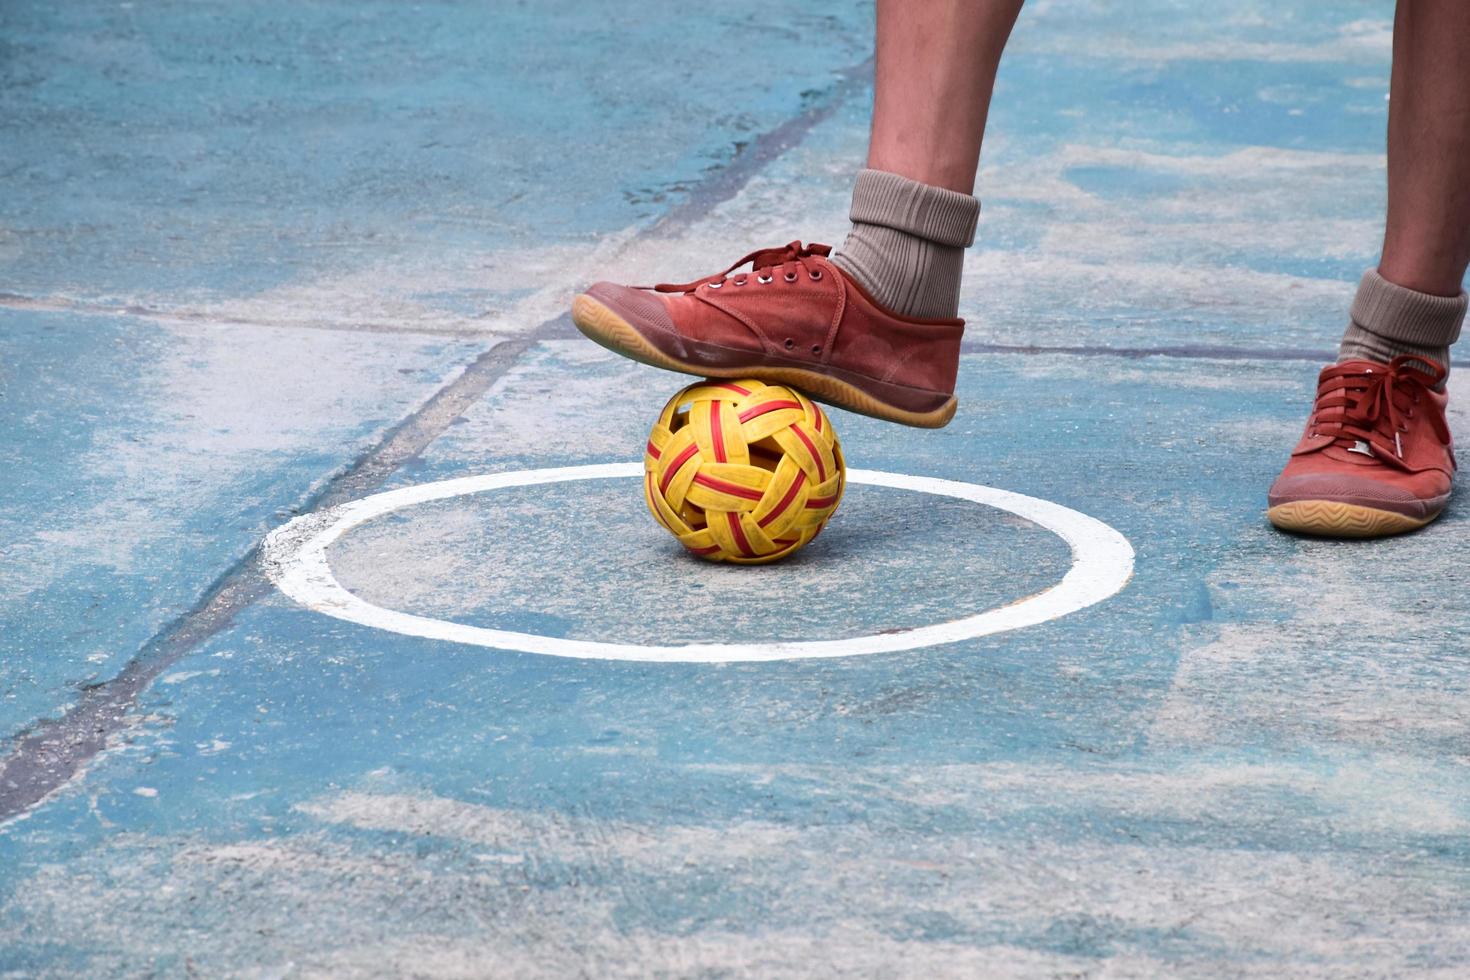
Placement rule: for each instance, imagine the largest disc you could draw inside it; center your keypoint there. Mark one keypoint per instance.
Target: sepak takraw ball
(742, 471)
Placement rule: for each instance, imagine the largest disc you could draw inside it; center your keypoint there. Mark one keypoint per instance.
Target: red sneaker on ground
(794, 319)
(1376, 456)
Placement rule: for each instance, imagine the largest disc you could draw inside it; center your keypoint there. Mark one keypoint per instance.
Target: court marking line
(295, 559)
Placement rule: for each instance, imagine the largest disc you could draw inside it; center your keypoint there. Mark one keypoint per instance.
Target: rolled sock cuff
(1405, 315)
(935, 214)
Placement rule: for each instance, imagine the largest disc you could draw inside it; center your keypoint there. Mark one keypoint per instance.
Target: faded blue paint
(1206, 774)
(182, 151)
(143, 461)
(1063, 731)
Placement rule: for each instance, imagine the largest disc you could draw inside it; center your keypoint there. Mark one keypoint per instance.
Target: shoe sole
(605, 327)
(1329, 519)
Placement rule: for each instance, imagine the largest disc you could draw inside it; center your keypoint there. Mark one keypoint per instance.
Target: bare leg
(1427, 243)
(936, 68)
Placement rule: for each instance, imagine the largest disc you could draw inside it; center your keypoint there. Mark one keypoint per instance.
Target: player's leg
(872, 328)
(1426, 245)
(1375, 458)
(936, 65)
(912, 212)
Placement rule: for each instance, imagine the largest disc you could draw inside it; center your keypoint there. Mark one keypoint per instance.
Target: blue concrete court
(259, 260)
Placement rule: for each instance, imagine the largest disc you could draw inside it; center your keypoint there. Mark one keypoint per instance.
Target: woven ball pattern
(742, 471)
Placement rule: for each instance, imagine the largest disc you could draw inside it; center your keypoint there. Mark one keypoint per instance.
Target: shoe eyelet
(790, 343)
(738, 282)
(715, 285)
(763, 280)
(816, 348)
(790, 277)
(816, 274)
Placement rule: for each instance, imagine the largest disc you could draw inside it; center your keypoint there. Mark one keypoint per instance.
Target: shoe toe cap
(641, 308)
(1344, 488)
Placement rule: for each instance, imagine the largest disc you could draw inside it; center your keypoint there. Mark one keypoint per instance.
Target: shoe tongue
(1361, 372)
(774, 256)
(1378, 368)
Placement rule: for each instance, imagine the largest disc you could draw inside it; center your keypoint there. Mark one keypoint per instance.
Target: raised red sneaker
(793, 319)
(1376, 456)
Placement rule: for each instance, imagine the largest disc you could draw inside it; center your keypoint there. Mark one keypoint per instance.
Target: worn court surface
(260, 259)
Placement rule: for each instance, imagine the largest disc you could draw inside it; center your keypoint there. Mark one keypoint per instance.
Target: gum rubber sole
(605, 327)
(1330, 519)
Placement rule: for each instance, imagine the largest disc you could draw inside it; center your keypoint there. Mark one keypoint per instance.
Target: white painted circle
(295, 558)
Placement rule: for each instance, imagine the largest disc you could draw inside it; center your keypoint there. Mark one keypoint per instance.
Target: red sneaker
(1376, 456)
(794, 319)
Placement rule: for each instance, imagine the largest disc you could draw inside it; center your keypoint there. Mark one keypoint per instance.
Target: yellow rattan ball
(742, 471)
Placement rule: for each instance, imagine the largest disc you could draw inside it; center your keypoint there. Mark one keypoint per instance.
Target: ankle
(1389, 320)
(907, 243)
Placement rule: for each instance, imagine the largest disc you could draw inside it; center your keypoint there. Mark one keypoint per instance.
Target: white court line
(295, 558)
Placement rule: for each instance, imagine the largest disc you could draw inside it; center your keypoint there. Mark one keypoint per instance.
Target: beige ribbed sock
(1389, 320)
(907, 243)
